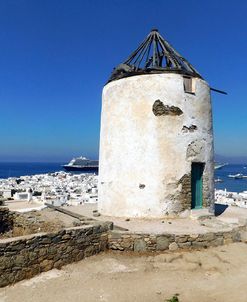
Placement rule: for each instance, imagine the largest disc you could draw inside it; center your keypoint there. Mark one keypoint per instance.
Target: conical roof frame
(154, 55)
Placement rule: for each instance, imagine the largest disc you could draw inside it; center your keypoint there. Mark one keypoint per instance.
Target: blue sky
(56, 55)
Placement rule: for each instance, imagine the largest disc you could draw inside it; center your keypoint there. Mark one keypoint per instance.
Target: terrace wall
(139, 242)
(26, 256)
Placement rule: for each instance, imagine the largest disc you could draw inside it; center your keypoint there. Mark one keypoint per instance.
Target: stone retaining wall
(126, 241)
(26, 256)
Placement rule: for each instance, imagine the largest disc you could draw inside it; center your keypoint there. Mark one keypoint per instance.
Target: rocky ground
(215, 274)
(46, 220)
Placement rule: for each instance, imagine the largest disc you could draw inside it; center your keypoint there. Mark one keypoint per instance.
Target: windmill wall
(151, 132)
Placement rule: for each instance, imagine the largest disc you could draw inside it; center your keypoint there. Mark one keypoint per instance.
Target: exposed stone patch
(190, 128)
(160, 109)
(185, 193)
(194, 149)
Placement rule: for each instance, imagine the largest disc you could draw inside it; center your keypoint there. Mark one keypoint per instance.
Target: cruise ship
(82, 164)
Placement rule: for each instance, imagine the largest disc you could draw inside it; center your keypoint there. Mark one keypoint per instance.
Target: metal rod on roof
(140, 52)
(144, 52)
(169, 58)
(159, 60)
(147, 58)
(130, 58)
(154, 51)
(217, 90)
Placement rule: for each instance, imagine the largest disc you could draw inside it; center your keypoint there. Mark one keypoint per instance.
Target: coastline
(17, 169)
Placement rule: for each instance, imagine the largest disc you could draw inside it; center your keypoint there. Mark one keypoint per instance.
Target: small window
(189, 85)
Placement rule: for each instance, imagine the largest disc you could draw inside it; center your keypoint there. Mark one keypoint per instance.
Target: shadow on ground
(219, 209)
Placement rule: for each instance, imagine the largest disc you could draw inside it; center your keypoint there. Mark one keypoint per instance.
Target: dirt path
(217, 274)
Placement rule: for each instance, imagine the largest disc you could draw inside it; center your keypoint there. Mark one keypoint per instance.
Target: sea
(21, 169)
(231, 184)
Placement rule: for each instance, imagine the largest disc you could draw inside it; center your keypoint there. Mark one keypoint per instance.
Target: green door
(196, 185)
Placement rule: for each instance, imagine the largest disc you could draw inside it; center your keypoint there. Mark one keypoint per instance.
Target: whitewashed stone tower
(156, 140)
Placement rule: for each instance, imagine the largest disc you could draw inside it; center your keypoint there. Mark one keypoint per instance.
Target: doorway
(196, 185)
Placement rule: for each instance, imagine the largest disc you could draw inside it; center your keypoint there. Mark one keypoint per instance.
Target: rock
(58, 264)
(76, 222)
(6, 262)
(207, 237)
(217, 241)
(89, 251)
(184, 245)
(126, 243)
(236, 236)
(185, 214)
(193, 237)
(116, 246)
(32, 256)
(17, 247)
(140, 245)
(66, 237)
(96, 214)
(46, 240)
(115, 235)
(229, 240)
(173, 246)
(46, 265)
(52, 250)
(243, 236)
(162, 243)
(19, 275)
(181, 239)
(200, 244)
(19, 260)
